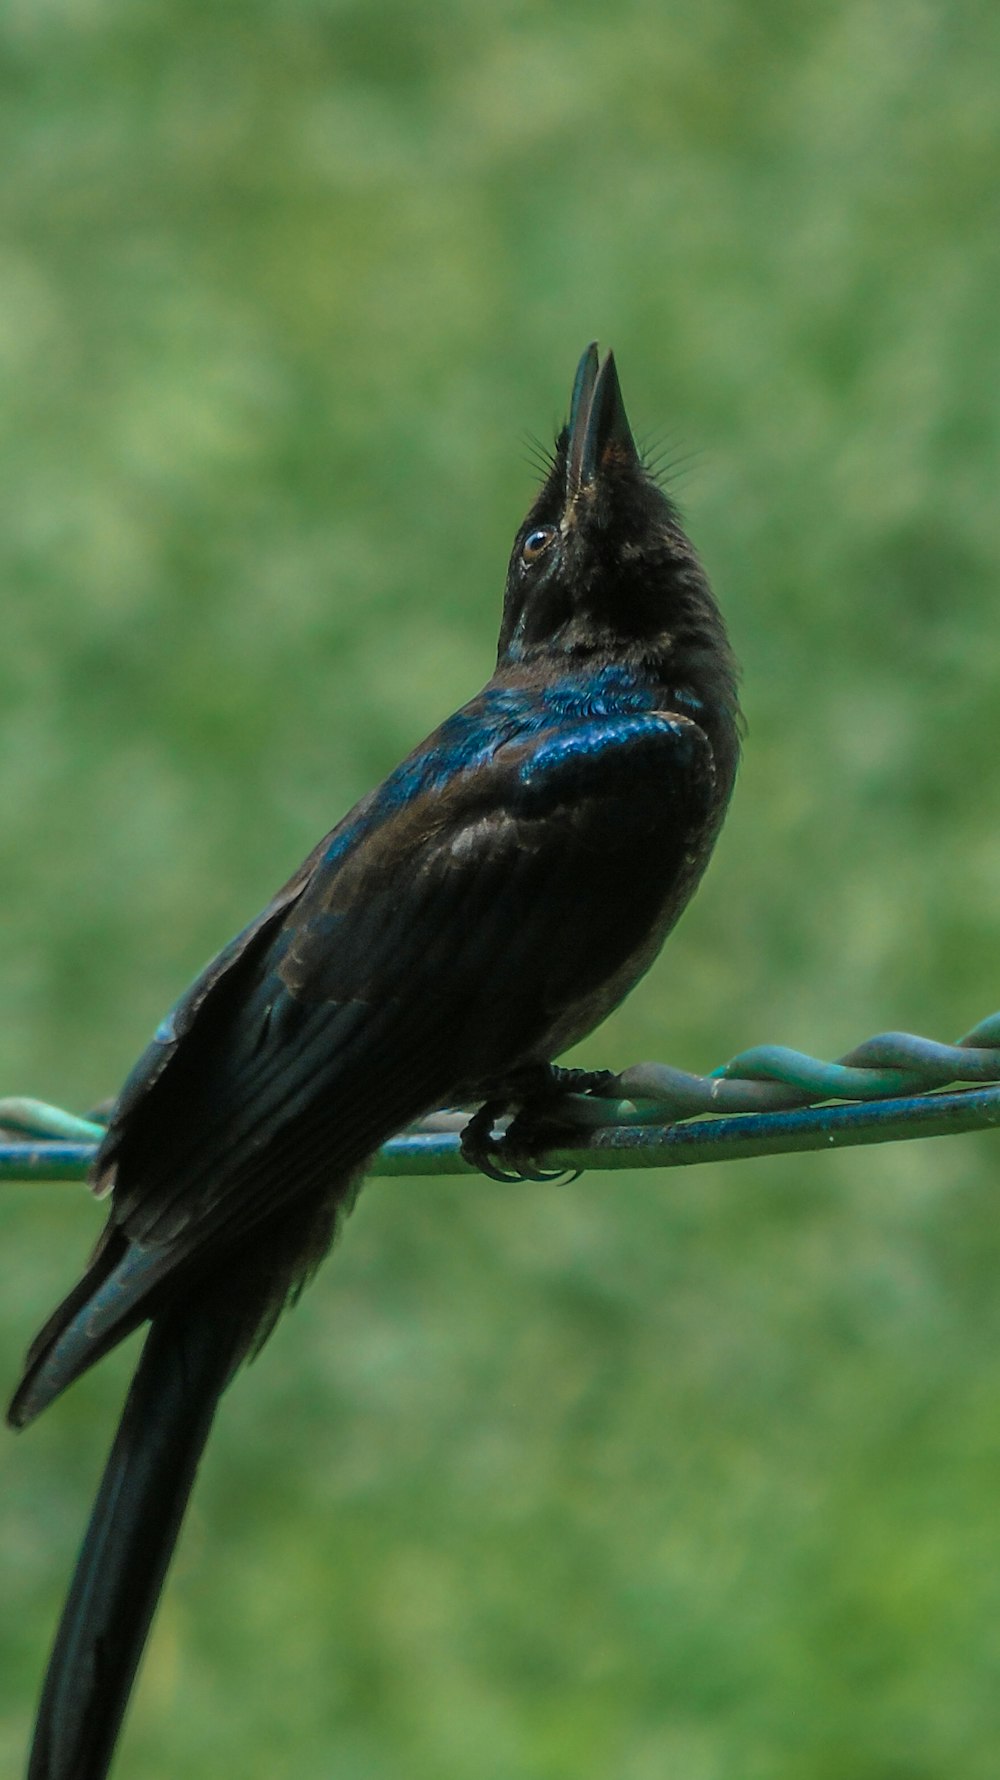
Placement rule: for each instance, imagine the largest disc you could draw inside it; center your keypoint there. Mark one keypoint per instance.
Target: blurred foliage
(690, 1477)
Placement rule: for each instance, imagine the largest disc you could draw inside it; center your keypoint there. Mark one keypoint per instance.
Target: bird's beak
(598, 423)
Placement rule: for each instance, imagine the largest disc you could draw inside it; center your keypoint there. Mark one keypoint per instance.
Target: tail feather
(190, 1354)
(110, 1301)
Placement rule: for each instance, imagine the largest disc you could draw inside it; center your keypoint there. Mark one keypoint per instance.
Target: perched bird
(464, 924)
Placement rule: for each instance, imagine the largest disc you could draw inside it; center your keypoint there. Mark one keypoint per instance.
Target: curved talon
(480, 1147)
(537, 1092)
(541, 1175)
(527, 1134)
(505, 1177)
(487, 1153)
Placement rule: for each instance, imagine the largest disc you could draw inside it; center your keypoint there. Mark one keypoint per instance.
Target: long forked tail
(190, 1355)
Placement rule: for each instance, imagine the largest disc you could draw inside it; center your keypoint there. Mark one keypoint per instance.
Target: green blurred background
(681, 1478)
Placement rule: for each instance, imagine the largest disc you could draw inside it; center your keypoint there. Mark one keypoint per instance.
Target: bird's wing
(437, 950)
(197, 999)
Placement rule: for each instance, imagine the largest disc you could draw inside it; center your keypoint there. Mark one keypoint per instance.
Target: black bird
(465, 923)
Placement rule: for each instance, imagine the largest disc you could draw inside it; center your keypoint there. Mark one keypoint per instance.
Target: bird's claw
(511, 1158)
(488, 1156)
(479, 1146)
(489, 1153)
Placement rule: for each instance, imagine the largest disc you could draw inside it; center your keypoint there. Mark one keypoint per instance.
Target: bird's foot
(486, 1152)
(536, 1125)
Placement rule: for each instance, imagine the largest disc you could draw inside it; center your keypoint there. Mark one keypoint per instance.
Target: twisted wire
(774, 1077)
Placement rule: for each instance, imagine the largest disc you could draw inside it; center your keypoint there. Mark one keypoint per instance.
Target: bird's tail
(190, 1354)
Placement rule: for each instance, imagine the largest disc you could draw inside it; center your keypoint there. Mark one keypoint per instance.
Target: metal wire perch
(766, 1101)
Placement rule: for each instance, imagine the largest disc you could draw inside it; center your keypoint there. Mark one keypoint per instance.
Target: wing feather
(438, 952)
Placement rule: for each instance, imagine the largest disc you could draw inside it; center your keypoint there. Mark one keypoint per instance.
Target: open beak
(598, 423)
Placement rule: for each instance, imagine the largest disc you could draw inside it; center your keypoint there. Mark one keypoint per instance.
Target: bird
(479, 912)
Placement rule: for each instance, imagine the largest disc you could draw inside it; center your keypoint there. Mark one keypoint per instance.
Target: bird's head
(601, 564)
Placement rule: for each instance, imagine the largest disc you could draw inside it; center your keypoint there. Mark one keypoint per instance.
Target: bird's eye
(536, 543)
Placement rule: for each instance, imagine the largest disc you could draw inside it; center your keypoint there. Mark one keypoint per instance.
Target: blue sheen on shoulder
(467, 740)
(626, 736)
(577, 711)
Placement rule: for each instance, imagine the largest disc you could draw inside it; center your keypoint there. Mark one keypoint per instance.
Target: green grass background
(680, 1478)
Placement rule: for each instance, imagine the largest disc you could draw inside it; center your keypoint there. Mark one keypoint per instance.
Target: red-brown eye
(536, 543)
